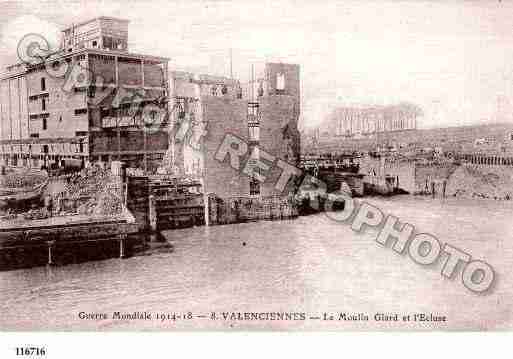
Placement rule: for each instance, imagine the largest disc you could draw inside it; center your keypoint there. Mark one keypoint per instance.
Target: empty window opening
(253, 109)
(254, 133)
(280, 81)
(260, 89)
(181, 107)
(107, 42)
(44, 123)
(254, 187)
(43, 104)
(253, 114)
(43, 84)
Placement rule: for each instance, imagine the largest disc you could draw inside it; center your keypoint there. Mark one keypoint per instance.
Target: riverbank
(490, 182)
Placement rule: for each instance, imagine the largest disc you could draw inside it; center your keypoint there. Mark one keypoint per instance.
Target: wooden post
(122, 245)
(152, 213)
(116, 70)
(116, 73)
(145, 155)
(142, 73)
(206, 204)
(50, 259)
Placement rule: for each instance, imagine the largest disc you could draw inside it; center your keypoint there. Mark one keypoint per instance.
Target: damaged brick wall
(223, 117)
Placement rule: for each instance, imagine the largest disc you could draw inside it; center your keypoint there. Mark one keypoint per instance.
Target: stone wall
(402, 171)
(411, 176)
(246, 209)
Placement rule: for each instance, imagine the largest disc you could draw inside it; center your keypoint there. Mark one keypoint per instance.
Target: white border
(261, 345)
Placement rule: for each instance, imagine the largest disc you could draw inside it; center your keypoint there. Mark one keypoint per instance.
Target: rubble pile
(475, 182)
(86, 183)
(38, 213)
(101, 190)
(108, 201)
(92, 191)
(22, 179)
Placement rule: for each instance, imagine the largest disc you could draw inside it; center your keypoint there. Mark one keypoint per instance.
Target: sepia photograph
(298, 166)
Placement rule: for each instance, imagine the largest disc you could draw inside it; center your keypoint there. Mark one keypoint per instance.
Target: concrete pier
(34, 242)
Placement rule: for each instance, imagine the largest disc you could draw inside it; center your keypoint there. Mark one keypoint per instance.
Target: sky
(454, 59)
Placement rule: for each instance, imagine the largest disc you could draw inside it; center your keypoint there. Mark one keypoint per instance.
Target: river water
(310, 265)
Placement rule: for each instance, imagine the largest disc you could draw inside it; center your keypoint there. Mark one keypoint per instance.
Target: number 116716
(30, 351)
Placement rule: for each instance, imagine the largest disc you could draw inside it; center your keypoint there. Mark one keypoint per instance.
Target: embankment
(474, 181)
(432, 172)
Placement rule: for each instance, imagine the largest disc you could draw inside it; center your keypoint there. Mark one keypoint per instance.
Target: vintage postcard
(247, 165)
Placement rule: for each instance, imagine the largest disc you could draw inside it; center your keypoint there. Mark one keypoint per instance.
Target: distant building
(366, 121)
(79, 105)
(263, 113)
(491, 139)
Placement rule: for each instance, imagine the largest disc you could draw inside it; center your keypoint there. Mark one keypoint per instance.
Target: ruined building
(94, 101)
(89, 102)
(263, 113)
